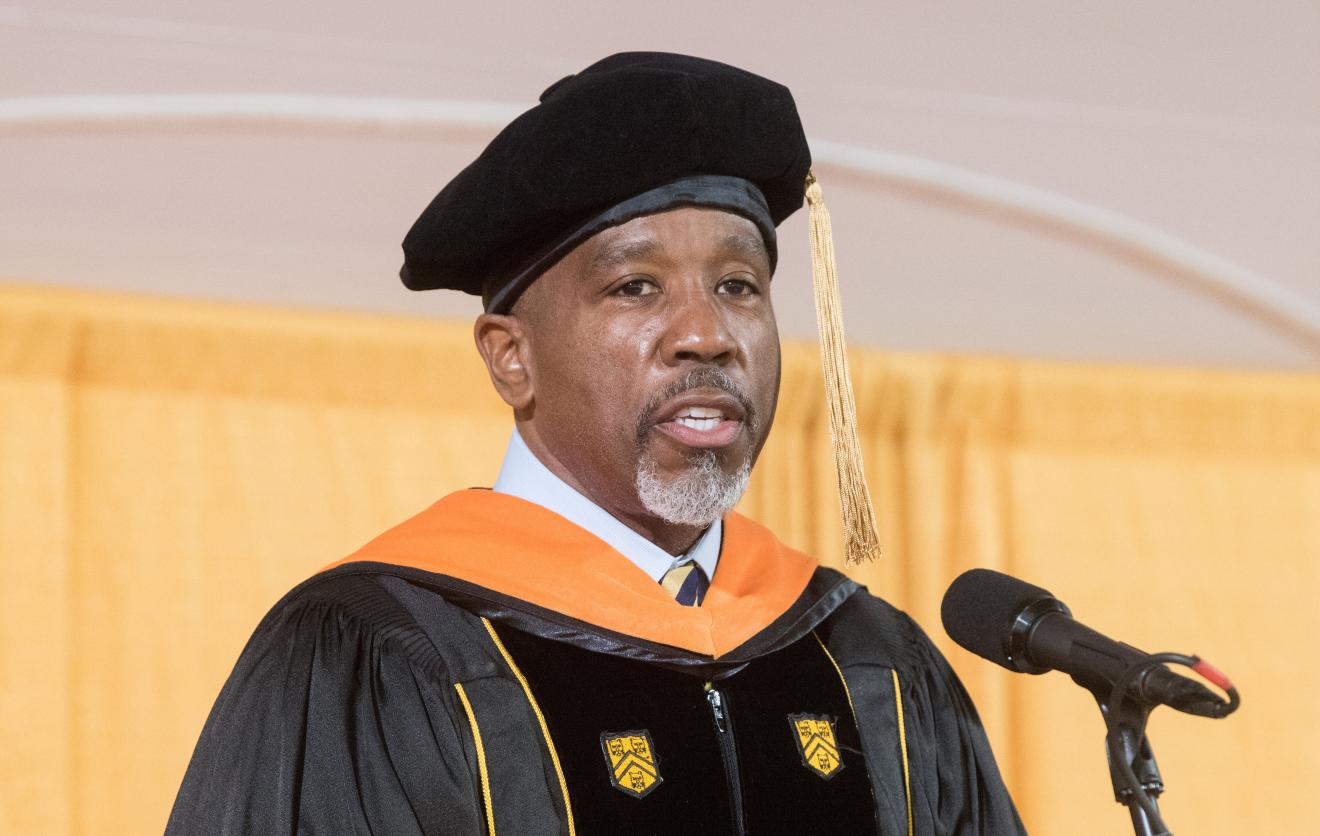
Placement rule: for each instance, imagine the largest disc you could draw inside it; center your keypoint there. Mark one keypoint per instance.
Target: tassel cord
(861, 542)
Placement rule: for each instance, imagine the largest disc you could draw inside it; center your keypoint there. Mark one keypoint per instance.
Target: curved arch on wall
(1233, 286)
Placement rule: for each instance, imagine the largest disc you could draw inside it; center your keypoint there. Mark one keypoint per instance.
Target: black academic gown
(384, 696)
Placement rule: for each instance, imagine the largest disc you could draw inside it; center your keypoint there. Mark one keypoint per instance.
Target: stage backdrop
(168, 469)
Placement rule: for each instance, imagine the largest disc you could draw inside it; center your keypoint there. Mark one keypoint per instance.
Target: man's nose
(698, 331)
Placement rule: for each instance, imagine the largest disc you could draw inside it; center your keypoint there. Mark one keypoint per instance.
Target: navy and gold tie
(687, 583)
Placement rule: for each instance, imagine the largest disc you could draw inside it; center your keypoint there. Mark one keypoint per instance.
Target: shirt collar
(523, 475)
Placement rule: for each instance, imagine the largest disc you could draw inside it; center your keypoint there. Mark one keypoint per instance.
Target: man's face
(653, 357)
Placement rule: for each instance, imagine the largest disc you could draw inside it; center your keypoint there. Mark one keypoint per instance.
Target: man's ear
(503, 343)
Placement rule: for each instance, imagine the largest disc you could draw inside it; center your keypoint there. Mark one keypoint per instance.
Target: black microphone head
(983, 608)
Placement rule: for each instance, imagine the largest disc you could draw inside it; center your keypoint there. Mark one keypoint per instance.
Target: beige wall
(1200, 118)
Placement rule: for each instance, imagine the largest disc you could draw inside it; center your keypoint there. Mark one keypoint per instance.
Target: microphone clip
(1132, 768)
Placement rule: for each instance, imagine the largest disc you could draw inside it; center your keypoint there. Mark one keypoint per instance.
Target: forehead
(685, 232)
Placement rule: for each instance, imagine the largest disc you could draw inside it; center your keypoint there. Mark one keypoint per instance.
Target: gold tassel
(860, 541)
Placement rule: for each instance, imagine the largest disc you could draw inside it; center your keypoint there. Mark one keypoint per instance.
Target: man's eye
(738, 287)
(636, 287)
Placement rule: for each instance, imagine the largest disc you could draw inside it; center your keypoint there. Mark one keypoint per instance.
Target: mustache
(704, 377)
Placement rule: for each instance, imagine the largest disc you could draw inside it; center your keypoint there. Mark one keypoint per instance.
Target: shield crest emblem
(634, 767)
(814, 735)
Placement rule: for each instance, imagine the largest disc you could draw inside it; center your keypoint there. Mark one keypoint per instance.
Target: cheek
(595, 381)
(764, 373)
(633, 342)
(562, 372)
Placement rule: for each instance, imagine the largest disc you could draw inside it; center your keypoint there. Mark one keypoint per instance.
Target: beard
(703, 492)
(698, 496)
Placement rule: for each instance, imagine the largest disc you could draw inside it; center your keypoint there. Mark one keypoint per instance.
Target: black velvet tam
(624, 126)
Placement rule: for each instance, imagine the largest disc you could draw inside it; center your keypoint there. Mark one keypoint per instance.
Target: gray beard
(698, 496)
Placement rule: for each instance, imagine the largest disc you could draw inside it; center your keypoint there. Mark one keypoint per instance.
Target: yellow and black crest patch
(634, 767)
(814, 734)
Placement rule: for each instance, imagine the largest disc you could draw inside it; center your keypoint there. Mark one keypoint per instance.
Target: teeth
(702, 412)
(699, 423)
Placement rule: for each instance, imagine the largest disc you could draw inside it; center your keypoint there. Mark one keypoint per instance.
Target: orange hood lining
(527, 552)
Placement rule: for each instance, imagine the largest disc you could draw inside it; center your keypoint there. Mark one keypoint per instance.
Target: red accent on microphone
(1214, 675)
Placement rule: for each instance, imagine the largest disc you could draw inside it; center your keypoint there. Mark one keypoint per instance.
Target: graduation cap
(631, 135)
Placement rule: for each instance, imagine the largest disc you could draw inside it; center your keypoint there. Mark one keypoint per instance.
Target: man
(597, 645)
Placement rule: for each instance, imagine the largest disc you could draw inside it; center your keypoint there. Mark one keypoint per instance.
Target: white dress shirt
(524, 476)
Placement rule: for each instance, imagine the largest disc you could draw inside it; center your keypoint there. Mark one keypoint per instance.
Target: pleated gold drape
(169, 469)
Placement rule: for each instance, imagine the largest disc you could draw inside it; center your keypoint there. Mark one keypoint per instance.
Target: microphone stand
(1132, 769)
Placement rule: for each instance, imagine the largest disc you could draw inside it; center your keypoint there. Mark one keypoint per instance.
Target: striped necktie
(687, 583)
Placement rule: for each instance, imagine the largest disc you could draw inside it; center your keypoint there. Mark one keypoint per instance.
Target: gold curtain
(168, 469)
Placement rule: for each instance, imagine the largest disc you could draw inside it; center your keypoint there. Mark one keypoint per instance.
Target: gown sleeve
(966, 794)
(938, 749)
(336, 719)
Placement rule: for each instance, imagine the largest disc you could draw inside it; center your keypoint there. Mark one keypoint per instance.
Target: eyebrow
(623, 252)
(749, 247)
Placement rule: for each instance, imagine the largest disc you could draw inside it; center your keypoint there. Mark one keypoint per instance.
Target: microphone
(1026, 629)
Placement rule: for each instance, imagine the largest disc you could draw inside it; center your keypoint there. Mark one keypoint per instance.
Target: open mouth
(702, 420)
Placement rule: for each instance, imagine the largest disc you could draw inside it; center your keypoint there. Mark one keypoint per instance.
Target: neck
(619, 502)
(675, 539)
